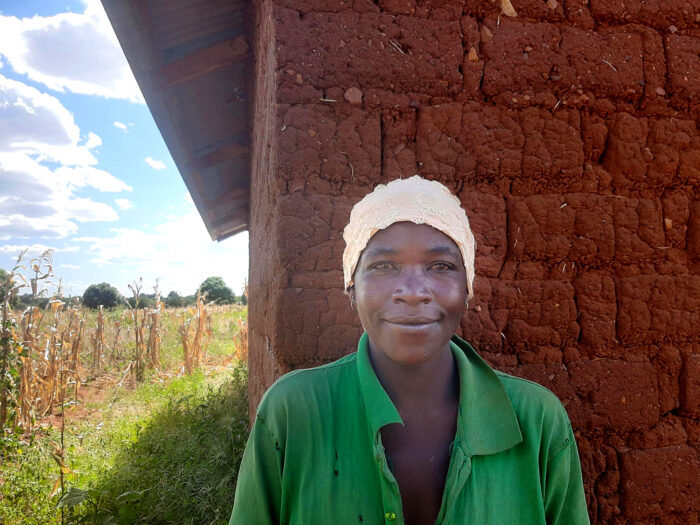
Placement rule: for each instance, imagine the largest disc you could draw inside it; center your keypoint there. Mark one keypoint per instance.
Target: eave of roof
(193, 62)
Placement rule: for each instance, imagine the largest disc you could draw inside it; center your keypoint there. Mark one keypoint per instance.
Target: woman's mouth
(412, 323)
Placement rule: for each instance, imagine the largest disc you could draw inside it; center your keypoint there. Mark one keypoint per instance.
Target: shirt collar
(486, 422)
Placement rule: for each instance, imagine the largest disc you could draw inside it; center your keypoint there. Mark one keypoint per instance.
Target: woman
(414, 427)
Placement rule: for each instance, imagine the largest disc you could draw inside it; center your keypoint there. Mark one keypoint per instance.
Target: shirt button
(390, 516)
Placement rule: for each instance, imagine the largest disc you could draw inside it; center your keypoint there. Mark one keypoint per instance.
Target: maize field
(47, 355)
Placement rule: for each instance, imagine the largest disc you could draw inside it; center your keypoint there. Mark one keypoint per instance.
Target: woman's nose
(412, 287)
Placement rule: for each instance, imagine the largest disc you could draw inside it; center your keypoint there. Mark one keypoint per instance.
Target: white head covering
(416, 200)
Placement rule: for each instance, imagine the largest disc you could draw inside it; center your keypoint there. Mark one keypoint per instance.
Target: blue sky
(83, 168)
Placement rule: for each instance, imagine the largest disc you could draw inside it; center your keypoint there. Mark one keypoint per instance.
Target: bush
(101, 294)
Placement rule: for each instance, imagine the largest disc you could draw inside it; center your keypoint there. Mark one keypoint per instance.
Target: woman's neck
(434, 383)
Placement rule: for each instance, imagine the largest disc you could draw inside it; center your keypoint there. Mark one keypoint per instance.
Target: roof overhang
(193, 62)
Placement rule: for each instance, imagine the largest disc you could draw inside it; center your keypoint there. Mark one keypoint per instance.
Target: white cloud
(36, 201)
(124, 204)
(93, 140)
(101, 180)
(36, 123)
(161, 253)
(121, 126)
(71, 266)
(61, 52)
(155, 164)
(42, 200)
(32, 249)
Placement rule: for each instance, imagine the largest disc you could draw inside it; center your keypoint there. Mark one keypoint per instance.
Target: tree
(4, 284)
(216, 290)
(101, 294)
(173, 300)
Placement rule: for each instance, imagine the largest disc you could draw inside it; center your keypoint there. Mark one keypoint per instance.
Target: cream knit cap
(416, 200)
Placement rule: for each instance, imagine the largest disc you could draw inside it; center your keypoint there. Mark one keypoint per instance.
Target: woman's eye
(441, 266)
(383, 266)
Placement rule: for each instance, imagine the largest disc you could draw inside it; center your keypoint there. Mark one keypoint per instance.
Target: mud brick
(322, 147)
(333, 50)
(623, 157)
(595, 300)
(578, 14)
(434, 9)
(654, 67)
(552, 376)
(683, 69)
(483, 322)
(690, 384)
(510, 68)
(475, 141)
(307, 335)
(654, 307)
(674, 150)
(659, 481)
(556, 227)
(472, 70)
(611, 403)
(667, 432)
(537, 312)
(553, 148)
(530, 9)
(659, 14)
(328, 6)
(398, 143)
(487, 218)
(607, 64)
(668, 367)
(676, 210)
(594, 133)
(639, 230)
(693, 239)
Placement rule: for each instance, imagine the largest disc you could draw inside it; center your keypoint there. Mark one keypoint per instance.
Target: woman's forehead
(408, 235)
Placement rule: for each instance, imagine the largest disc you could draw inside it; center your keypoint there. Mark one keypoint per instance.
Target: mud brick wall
(569, 130)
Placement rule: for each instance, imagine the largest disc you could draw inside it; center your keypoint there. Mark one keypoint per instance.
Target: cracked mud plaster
(570, 134)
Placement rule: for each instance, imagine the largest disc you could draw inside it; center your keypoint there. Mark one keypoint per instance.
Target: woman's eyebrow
(442, 249)
(379, 251)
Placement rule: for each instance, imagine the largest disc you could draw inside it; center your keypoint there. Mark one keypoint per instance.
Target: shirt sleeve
(259, 485)
(564, 497)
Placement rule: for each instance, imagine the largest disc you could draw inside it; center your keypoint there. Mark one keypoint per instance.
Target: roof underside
(193, 61)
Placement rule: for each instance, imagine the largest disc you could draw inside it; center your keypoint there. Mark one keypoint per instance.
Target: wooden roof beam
(219, 155)
(204, 61)
(227, 199)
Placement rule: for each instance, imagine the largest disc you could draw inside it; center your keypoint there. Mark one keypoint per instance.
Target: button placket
(391, 497)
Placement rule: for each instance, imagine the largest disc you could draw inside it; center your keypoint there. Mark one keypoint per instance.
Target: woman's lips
(412, 323)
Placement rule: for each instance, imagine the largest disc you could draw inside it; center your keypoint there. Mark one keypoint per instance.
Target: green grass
(158, 454)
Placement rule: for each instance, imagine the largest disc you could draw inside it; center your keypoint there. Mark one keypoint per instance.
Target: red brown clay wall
(570, 133)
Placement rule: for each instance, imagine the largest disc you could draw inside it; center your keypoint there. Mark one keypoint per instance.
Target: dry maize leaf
(508, 9)
(55, 488)
(472, 56)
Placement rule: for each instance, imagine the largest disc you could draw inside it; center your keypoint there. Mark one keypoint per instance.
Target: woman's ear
(351, 294)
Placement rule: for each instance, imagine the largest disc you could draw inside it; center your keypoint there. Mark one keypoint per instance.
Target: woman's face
(410, 290)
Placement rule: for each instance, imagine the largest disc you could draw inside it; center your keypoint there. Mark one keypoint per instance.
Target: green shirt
(315, 452)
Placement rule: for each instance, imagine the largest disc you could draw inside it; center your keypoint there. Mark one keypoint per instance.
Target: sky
(83, 168)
